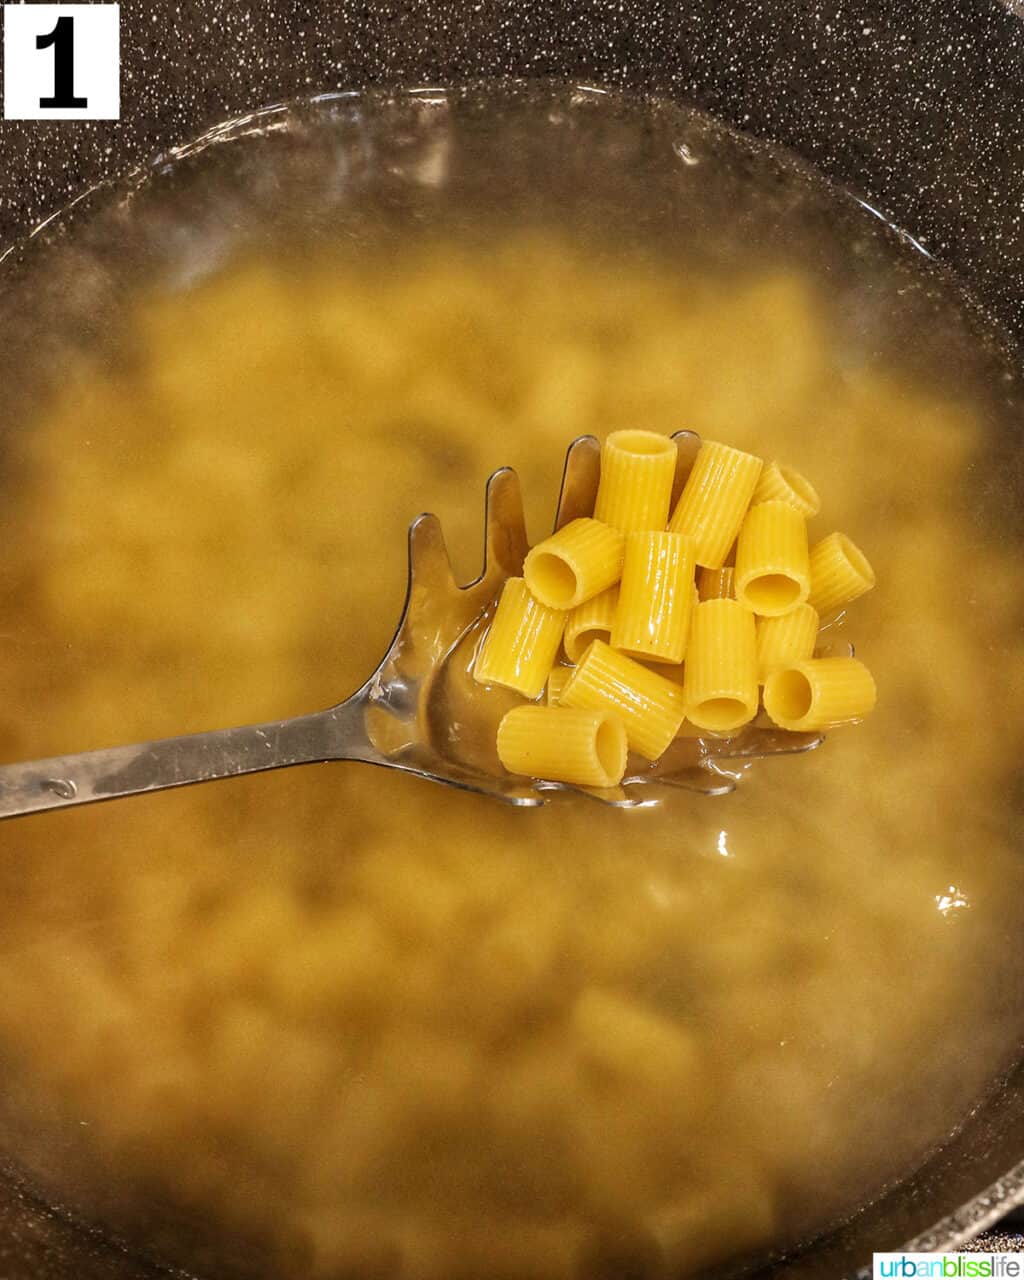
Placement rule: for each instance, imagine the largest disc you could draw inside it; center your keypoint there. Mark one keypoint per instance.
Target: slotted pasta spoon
(420, 711)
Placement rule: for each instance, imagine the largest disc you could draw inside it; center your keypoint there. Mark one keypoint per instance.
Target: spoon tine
(506, 541)
(580, 478)
(761, 743)
(688, 443)
(705, 782)
(430, 569)
(618, 797)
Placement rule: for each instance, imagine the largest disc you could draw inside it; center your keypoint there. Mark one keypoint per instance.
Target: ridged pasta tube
(637, 471)
(786, 484)
(715, 499)
(652, 619)
(650, 707)
(717, 584)
(785, 640)
(522, 642)
(840, 573)
(820, 693)
(773, 571)
(564, 744)
(576, 563)
(557, 681)
(591, 620)
(720, 682)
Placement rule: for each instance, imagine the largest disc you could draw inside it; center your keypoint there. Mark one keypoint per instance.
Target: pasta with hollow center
(575, 564)
(819, 693)
(773, 575)
(637, 472)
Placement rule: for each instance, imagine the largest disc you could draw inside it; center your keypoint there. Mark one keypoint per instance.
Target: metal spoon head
(427, 714)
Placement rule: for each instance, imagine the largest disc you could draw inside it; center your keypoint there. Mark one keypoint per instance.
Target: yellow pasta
(591, 620)
(773, 572)
(715, 500)
(720, 682)
(649, 706)
(652, 619)
(556, 683)
(564, 744)
(522, 642)
(785, 640)
(785, 484)
(819, 693)
(574, 564)
(717, 584)
(840, 573)
(637, 471)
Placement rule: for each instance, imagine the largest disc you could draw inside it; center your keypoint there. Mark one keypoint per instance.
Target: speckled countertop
(915, 103)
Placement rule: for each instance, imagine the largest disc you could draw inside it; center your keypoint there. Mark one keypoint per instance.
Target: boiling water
(335, 1022)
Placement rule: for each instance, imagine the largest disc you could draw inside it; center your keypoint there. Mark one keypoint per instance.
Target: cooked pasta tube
(715, 500)
(720, 682)
(786, 484)
(637, 470)
(773, 572)
(652, 619)
(820, 693)
(717, 584)
(785, 640)
(576, 563)
(557, 681)
(564, 744)
(650, 707)
(522, 642)
(840, 572)
(591, 620)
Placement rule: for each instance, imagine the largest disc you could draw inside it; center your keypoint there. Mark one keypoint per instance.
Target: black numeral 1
(62, 37)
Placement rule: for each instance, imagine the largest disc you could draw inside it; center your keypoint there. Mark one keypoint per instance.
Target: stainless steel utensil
(420, 711)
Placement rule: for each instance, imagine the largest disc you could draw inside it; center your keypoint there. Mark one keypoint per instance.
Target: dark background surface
(916, 104)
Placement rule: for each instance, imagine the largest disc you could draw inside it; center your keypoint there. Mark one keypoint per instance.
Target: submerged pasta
(342, 1023)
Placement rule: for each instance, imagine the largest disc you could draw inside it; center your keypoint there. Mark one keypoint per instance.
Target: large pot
(915, 107)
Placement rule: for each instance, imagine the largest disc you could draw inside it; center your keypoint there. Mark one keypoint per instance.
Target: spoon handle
(63, 781)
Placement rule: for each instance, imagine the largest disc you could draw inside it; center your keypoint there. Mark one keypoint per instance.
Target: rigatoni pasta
(840, 573)
(773, 572)
(522, 642)
(820, 693)
(650, 707)
(715, 500)
(652, 618)
(785, 640)
(563, 744)
(786, 484)
(665, 639)
(579, 561)
(720, 684)
(591, 620)
(637, 471)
